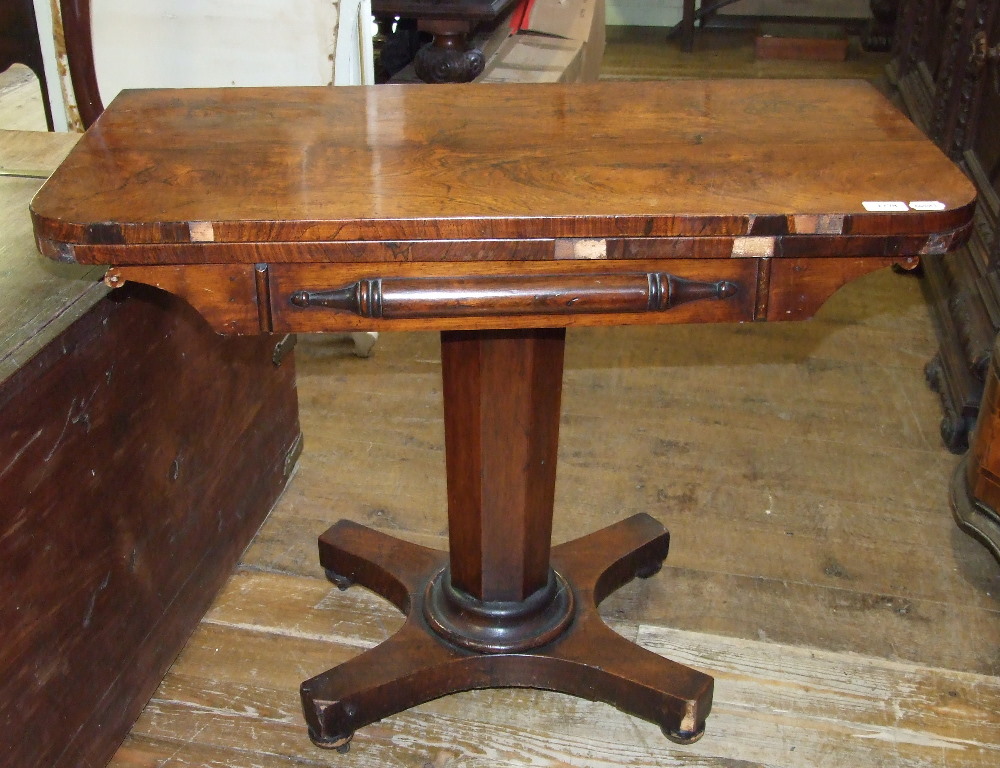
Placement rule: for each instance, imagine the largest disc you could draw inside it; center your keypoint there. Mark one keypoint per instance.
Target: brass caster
(648, 571)
(683, 737)
(341, 582)
(341, 743)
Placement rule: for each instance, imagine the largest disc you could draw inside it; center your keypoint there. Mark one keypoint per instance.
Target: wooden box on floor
(139, 453)
(800, 42)
(975, 489)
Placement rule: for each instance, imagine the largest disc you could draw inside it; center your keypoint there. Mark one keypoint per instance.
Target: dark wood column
(502, 395)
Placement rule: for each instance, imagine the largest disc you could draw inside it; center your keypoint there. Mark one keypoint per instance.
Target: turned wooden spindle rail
(568, 294)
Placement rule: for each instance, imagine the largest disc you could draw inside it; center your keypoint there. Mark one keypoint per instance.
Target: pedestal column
(502, 608)
(501, 415)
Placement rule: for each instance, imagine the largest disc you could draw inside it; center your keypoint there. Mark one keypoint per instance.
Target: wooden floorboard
(814, 567)
(231, 700)
(643, 54)
(20, 100)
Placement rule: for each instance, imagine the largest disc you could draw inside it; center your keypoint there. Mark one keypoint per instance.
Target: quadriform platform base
(587, 660)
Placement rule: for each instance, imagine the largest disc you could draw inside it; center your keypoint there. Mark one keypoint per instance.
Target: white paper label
(885, 205)
(927, 205)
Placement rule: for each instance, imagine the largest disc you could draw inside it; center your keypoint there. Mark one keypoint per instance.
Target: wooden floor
(20, 100)
(642, 53)
(815, 569)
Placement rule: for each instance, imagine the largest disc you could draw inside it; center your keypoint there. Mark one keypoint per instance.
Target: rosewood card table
(500, 215)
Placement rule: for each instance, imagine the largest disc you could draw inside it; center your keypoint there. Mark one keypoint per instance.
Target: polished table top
(499, 161)
(279, 191)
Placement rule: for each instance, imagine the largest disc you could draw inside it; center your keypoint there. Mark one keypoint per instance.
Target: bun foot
(341, 743)
(341, 582)
(683, 737)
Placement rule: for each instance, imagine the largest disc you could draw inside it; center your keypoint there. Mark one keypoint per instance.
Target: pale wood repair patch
(201, 231)
(819, 224)
(753, 247)
(572, 248)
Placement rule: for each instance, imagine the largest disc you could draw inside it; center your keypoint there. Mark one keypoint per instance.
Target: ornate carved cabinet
(975, 489)
(946, 71)
(946, 68)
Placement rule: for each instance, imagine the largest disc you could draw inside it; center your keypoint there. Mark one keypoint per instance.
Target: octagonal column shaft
(502, 393)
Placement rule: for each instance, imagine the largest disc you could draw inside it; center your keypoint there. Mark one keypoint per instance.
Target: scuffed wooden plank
(38, 298)
(235, 686)
(33, 153)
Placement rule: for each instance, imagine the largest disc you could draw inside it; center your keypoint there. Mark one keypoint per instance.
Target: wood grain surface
(498, 476)
(692, 158)
(33, 153)
(40, 298)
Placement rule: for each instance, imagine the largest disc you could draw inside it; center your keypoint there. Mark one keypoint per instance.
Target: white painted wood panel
(191, 43)
(155, 43)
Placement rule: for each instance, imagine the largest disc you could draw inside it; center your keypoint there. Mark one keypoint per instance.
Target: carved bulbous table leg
(448, 59)
(502, 608)
(877, 35)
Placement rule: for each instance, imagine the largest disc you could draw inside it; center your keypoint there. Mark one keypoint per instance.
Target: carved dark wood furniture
(874, 37)
(693, 12)
(946, 68)
(500, 215)
(448, 58)
(879, 31)
(19, 44)
(975, 489)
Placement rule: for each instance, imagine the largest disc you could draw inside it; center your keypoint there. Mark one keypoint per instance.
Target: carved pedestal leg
(448, 59)
(687, 26)
(877, 35)
(975, 487)
(504, 609)
(973, 516)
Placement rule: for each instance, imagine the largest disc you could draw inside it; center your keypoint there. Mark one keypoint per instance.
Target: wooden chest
(139, 453)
